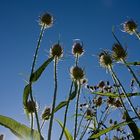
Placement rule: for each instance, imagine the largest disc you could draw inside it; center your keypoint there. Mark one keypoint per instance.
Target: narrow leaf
(66, 132)
(115, 95)
(21, 131)
(102, 132)
(133, 63)
(35, 76)
(64, 103)
(26, 94)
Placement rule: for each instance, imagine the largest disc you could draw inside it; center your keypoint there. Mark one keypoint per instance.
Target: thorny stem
(84, 132)
(137, 34)
(123, 90)
(32, 123)
(131, 71)
(54, 99)
(77, 59)
(66, 111)
(30, 81)
(76, 111)
(80, 123)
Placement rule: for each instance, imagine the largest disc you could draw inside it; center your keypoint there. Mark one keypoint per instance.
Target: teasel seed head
(130, 27)
(56, 51)
(46, 20)
(31, 106)
(77, 73)
(77, 49)
(105, 59)
(46, 113)
(118, 52)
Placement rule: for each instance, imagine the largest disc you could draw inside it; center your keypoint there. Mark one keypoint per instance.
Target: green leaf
(133, 63)
(26, 94)
(21, 131)
(102, 132)
(66, 132)
(64, 103)
(115, 95)
(35, 76)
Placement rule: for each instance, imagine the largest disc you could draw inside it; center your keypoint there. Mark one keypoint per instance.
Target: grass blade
(21, 131)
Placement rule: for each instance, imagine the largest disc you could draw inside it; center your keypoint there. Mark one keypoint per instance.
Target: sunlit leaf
(133, 63)
(26, 94)
(102, 132)
(66, 132)
(35, 76)
(21, 131)
(64, 103)
(115, 95)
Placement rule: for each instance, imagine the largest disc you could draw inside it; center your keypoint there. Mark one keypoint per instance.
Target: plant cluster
(93, 116)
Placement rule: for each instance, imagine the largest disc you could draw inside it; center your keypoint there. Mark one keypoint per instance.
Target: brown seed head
(77, 73)
(46, 20)
(77, 49)
(105, 59)
(46, 114)
(31, 106)
(118, 52)
(130, 27)
(56, 51)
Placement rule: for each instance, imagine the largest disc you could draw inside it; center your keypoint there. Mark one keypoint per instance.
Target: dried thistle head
(31, 106)
(118, 103)
(105, 59)
(89, 113)
(77, 73)
(46, 20)
(118, 52)
(110, 101)
(101, 84)
(46, 113)
(130, 27)
(56, 51)
(98, 102)
(77, 49)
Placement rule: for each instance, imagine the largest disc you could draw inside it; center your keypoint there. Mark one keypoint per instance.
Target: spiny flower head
(46, 20)
(31, 106)
(56, 51)
(130, 26)
(118, 52)
(46, 113)
(105, 59)
(77, 73)
(77, 49)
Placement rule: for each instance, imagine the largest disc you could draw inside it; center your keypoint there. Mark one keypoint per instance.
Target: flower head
(105, 59)
(46, 20)
(118, 52)
(130, 27)
(56, 51)
(77, 49)
(77, 73)
(46, 113)
(31, 106)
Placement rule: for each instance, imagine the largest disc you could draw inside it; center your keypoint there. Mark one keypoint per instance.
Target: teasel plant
(57, 53)
(46, 21)
(119, 54)
(77, 51)
(131, 27)
(106, 61)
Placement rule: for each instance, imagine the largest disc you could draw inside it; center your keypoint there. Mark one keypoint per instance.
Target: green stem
(66, 111)
(137, 34)
(133, 127)
(80, 123)
(54, 99)
(32, 123)
(30, 81)
(76, 60)
(123, 90)
(131, 71)
(76, 111)
(85, 130)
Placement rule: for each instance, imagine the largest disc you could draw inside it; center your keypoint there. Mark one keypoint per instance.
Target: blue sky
(90, 21)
